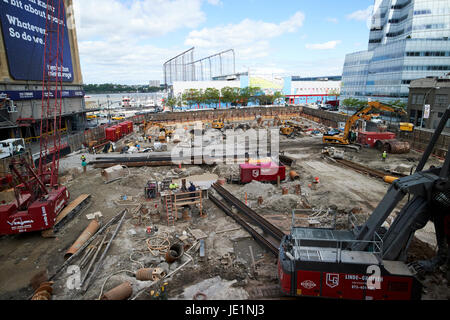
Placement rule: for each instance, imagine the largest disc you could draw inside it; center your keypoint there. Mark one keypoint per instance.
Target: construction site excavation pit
(183, 223)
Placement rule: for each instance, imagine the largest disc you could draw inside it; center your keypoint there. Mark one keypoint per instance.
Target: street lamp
(424, 104)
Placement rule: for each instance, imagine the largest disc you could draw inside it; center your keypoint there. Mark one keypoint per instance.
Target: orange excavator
(348, 136)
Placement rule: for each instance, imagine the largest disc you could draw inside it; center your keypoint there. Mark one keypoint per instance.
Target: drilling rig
(39, 198)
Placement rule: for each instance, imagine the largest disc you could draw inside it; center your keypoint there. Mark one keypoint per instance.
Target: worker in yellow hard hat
(83, 163)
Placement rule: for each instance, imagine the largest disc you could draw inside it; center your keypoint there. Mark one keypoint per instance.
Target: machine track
(366, 170)
(271, 240)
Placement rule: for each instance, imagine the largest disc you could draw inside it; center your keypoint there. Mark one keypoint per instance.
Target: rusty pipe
(396, 146)
(174, 253)
(90, 230)
(121, 292)
(294, 175)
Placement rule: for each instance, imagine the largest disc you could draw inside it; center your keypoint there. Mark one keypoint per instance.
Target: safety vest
(173, 186)
(384, 155)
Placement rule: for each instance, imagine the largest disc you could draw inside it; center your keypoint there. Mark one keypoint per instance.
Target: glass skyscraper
(409, 39)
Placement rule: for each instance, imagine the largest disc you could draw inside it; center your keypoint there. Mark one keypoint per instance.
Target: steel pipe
(90, 230)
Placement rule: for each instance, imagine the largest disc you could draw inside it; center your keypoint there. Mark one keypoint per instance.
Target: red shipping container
(264, 172)
(370, 138)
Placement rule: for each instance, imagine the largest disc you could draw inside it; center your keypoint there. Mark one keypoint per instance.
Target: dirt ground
(225, 271)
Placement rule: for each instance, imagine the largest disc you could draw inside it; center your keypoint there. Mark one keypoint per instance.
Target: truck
(11, 147)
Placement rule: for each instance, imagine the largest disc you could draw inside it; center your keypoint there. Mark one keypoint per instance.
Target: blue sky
(127, 41)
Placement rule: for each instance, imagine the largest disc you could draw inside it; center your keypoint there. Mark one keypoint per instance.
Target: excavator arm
(431, 201)
(362, 113)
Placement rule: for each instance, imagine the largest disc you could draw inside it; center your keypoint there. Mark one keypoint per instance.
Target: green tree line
(356, 104)
(117, 88)
(226, 97)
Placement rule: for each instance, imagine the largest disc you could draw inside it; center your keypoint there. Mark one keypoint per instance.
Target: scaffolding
(184, 68)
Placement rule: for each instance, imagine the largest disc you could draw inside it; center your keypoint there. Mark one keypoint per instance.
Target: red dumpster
(264, 172)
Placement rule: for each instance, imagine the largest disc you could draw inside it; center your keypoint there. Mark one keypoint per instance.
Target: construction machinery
(406, 126)
(290, 127)
(348, 136)
(368, 262)
(39, 198)
(218, 124)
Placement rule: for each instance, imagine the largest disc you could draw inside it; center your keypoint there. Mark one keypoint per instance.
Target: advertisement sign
(32, 95)
(23, 25)
(426, 111)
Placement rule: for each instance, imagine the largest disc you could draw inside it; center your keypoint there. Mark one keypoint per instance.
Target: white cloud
(250, 38)
(144, 18)
(114, 36)
(323, 46)
(215, 2)
(333, 20)
(361, 15)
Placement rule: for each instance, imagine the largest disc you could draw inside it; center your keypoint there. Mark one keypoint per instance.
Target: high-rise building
(409, 39)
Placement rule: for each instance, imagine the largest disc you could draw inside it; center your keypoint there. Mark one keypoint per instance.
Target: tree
(398, 104)
(171, 102)
(191, 96)
(212, 96)
(227, 95)
(352, 103)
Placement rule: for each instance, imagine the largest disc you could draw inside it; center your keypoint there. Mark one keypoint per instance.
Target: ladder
(171, 218)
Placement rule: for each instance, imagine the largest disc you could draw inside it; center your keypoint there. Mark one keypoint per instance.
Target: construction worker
(83, 163)
(384, 155)
(192, 187)
(173, 186)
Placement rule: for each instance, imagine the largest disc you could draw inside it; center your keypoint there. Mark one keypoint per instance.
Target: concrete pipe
(121, 292)
(85, 236)
(294, 176)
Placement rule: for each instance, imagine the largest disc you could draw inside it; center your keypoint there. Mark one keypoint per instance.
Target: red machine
(371, 138)
(264, 172)
(39, 197)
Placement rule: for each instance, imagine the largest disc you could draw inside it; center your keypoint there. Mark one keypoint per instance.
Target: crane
(39, 197)
(363, 113)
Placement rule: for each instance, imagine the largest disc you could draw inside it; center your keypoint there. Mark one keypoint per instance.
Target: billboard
(23, 28)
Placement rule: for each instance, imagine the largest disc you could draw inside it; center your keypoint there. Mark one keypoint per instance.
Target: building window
(441, 100)
(417, 99)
